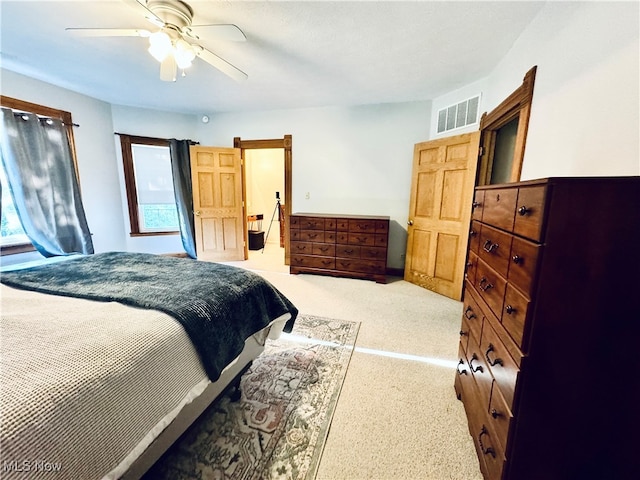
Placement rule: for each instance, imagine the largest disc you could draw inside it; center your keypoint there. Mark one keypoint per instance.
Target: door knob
(197, 213)
(410, 222)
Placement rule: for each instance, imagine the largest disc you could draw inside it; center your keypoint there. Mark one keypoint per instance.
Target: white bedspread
(81, 382)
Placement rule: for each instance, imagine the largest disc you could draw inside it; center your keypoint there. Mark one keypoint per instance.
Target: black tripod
(277, 209)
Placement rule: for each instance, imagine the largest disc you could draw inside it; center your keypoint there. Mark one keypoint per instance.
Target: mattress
(85, 386)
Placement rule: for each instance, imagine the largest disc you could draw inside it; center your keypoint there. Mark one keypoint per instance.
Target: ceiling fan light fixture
(184, 54)
(160, 45)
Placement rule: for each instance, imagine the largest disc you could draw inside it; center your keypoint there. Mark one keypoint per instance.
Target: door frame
(285, 143)
(518, 104)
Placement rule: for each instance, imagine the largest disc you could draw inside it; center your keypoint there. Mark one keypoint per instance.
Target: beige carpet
(397, 416)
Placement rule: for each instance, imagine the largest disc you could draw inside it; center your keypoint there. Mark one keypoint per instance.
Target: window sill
(152, 234)
(15, 249)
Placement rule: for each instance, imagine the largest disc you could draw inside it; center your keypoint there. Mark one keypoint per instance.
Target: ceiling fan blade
(221, 64)
(141, 7)
(108, 32)
(168, 69)
(226, 32)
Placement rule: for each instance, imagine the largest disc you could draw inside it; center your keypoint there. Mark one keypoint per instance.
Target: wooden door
(442, 185)
(218, 203)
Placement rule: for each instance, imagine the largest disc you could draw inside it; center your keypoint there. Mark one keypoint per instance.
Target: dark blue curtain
(181, 169)
(43, 182)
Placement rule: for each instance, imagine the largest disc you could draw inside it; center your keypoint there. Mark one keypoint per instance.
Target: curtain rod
(192, 142)
(41, 117)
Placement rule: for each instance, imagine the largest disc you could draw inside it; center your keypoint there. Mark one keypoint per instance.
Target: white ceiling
(297, 53)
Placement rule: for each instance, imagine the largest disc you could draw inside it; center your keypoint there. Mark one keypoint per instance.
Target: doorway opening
(267, 182)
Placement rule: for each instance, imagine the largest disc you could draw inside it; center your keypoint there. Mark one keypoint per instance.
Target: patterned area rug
(278, 428)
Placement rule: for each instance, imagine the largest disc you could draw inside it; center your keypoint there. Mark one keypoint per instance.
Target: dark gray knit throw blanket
(219, 306)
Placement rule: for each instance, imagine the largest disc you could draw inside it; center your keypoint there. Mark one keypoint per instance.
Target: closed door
(218, 203)
(442, 185)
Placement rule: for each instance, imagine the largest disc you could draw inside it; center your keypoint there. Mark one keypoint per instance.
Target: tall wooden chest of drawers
(550, 329)
(339, 245)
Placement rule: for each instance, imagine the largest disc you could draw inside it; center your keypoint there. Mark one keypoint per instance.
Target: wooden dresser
(339, 245)
(551, 328)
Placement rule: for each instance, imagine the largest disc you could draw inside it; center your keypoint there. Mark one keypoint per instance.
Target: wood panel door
(218, 203)
(442, 185)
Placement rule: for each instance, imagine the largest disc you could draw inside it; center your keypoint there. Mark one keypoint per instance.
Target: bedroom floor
(397, 416)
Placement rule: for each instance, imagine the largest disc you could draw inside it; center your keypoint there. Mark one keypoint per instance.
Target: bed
(108, 358)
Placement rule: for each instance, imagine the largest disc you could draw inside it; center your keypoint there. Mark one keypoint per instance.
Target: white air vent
(458, 115)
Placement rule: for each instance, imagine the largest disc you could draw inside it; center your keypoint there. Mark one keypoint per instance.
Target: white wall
(99, 179)
(350, 160)
(585, 111)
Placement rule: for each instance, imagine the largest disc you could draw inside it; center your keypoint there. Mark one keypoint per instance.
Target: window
(12, 232)
(504, 134)
(14, 241)
(149, 185)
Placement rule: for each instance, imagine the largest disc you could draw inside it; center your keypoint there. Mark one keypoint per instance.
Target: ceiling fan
(174, 42)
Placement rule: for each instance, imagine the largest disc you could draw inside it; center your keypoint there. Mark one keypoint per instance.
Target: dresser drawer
(499, 207)
(472, 314)
(522, 264)
(495, 248)
(381, 239)
(474, 236)
(374, 253)
(342, 225)
(310, 223)
(359, 226)
(489, 452)
(382, 226)
(362, 266)
(301, 248)
(464, 381)
(330, 224)
(324, 249)
(480, 372)
(500, 417)
(529, 211)
(502, 367)
(362, 239)
(348, 251)
(514, 314)
(312, 262)
(478, 205)
(310, 236)
(491, 287)
(471, 267)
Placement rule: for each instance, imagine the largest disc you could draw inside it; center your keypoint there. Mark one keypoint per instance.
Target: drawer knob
(476, 204)
(489, 246)
(473, 233)
(524, 211)
(488, 450)
(495, 413)
(463, 333)
(484, 284)
(475, 369)
(493, 363)
(509, 309)
(464, 370)
(517, 259)
(466, 313)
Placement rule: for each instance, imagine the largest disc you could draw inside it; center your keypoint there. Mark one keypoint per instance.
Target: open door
(442, 185)
(218, 203)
